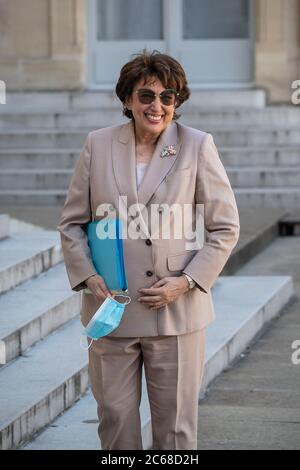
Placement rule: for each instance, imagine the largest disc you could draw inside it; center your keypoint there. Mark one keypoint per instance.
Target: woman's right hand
(98, 288)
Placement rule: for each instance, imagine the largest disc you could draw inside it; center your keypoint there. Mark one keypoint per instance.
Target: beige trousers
(173, 371)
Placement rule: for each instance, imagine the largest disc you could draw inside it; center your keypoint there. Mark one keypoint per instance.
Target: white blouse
(140, 172)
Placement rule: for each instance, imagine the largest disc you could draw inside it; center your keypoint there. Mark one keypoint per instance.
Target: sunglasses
(167, 97)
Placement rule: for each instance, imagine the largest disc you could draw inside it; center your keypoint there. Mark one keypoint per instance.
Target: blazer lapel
(123, 158)
(159, 167)
(124, 166)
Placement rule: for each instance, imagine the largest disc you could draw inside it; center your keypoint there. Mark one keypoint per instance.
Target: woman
(151, 162)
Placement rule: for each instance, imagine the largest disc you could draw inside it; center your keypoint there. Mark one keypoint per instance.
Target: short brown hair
(152, 64)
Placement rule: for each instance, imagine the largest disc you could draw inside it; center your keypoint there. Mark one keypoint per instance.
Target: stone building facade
(46, 45)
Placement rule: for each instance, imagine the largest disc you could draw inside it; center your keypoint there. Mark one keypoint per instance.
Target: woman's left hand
(163, 292)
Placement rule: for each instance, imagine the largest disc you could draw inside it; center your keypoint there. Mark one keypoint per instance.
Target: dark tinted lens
(167, 97)
(146, 96)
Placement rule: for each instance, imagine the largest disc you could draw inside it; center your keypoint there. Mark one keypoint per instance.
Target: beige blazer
(106, 170)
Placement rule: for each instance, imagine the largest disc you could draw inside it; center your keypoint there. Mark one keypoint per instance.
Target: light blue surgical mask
(106, 319)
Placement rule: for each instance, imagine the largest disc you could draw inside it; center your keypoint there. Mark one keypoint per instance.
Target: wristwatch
(191, 281)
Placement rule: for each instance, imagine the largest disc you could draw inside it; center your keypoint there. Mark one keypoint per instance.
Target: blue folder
(107, 253)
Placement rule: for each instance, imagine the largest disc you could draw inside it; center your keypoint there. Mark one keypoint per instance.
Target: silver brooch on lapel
(168, 151)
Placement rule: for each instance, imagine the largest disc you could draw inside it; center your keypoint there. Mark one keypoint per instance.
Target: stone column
(42, 44)
(277, 47)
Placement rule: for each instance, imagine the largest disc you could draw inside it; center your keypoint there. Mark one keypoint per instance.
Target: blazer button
(149, 273)
(148, 242)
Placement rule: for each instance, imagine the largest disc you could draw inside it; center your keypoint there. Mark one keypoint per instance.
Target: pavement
(44, 216)
(255, 404)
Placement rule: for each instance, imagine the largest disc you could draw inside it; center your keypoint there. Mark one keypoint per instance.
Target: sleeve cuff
(197, 285)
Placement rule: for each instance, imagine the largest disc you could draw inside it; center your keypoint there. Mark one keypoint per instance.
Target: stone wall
(42, 44)
(277, 47)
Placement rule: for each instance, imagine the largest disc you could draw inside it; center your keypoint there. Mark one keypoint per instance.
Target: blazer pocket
(180, 172)
(178, 261)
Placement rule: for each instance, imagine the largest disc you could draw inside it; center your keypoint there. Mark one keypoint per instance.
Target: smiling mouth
(153, 117)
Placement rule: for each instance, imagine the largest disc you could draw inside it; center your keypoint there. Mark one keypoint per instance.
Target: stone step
(275, 116)
(24, 256)
(261, 177)
(37, 101)
(240, 177)
(255, 137)
(39, 158)
(193, 115)
(21, 120)
(48, 139)
(66, 138)
(287, 198)
(269, 156)
(243, 305)
(87, 100)
(81, 420)
(18, 225)
(35, 178)
(28, 197)
(83, 119)
(38, 197)
(34, 309)
(38, 386)
(4, 226)
(230, 156)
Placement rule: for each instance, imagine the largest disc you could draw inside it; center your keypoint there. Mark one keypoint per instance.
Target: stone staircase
(45, 400)
(41, 136)
(35, 301)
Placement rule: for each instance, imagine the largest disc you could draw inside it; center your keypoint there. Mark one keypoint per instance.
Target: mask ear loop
(82, 346)
(121, 295)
